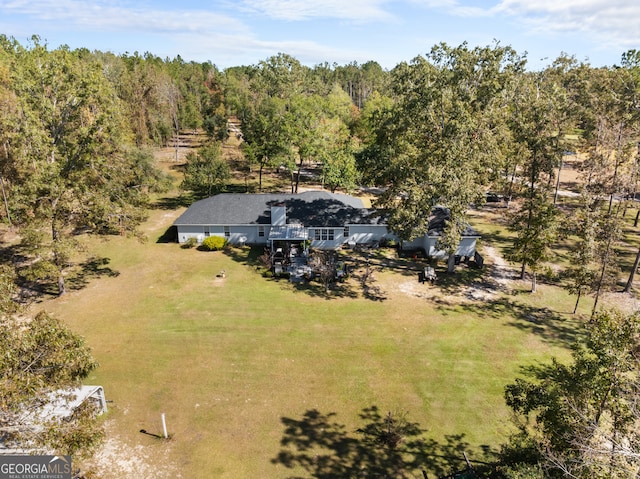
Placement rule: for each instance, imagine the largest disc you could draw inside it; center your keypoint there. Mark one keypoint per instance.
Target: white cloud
(233, 50)
(116, 16)
(353, 10)
(196, 34)
(242, 31)
(613, 23)
(454, 7)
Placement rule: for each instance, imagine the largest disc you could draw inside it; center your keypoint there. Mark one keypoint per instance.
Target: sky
(244, 32)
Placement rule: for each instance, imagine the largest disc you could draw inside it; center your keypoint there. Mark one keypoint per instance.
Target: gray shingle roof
(439, 217)
(311, 208)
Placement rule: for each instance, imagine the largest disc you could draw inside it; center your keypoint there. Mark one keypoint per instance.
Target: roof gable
(438, 220)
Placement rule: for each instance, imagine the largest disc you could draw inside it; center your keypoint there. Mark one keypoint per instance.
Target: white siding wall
(357, 233)
(325, 242)
(420, 242)
(250, 232)
(368, 233)
(467, 247)
(235, 233)
(186, 232)
(434, 252)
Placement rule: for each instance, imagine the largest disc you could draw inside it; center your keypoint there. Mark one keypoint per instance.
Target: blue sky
(244, 32)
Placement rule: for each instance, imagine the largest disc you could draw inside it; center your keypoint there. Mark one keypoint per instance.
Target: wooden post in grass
(164, 426)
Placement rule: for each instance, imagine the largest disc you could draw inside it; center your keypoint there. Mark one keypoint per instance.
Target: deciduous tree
(41, 358)
(9, 125)
(583, 272)
(442, 136)
(582, 416)
(267, 135)
(537, 227)
(537, 110)
(74, 175)
(206, 172)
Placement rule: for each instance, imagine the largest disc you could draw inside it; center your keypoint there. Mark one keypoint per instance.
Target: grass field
(232, 361)
(228, 359)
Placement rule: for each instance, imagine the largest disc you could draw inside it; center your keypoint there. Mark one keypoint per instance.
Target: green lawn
(228, 359)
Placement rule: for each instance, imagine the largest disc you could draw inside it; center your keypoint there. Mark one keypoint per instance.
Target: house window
(346, 232)
(207, 232)
(323, 234)
(227, 233)
(261, 231)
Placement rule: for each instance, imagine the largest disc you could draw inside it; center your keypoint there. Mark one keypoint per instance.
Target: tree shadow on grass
(250, 256)
(367, 283)
(317, 289)
(173, 202)
(386, 446)
(542, 321)
(364, 267)
(389, 259)
(89, 270)
(31, 289)
(460, 279)
(77, 278)
(497, 239)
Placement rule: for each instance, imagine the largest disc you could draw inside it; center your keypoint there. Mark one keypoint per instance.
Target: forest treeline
(78, 128)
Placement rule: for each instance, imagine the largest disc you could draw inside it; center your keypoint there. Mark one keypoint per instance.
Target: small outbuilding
(56, 405)
(62, 404)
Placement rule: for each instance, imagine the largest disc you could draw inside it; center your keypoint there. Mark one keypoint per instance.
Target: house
(320, 219)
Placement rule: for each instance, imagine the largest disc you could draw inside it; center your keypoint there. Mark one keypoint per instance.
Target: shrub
(190, 243)
(213, 243)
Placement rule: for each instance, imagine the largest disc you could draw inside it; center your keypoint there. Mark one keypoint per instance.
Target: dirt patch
(117, 459)
(499, 277)
(625, 302)
(416, 289)
(496, 279)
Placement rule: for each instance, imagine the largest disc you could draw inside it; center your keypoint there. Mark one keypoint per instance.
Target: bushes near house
(190, 243)
(213, 243)
(267, 273)
(389, 243)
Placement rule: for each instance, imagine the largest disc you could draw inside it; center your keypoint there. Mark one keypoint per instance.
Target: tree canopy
(582, 417)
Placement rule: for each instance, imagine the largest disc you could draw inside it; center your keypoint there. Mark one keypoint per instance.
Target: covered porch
(289, 249)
